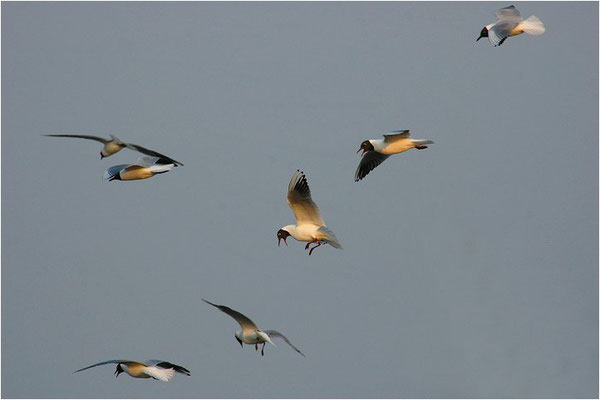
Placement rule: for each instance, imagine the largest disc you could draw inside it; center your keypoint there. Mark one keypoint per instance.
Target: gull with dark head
(250, 333)
(309, 224)
(144, 168)
(155, 369)
(510, 23)
(376, 151)
(114, 145)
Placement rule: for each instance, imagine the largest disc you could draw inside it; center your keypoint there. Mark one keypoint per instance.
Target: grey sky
(469, 269)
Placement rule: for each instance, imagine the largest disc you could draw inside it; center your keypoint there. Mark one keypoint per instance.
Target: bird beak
(279, 242)
(358, 151)
(479, 38)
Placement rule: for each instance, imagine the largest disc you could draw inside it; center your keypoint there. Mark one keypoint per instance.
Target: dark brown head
(366, 146)
(118, 370)
(483, 33)
(101, 155)
(282, 234)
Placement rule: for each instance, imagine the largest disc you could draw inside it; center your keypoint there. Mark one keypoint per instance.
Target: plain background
(469, 269)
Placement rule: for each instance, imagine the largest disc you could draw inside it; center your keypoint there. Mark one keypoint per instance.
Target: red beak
(279, 242)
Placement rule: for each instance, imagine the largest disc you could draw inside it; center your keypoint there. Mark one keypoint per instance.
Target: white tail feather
(533, 26)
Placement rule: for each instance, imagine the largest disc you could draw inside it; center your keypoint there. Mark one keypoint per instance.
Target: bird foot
(311, 250)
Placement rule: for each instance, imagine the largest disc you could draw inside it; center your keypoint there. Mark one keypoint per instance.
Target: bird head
(483, 33)
(282, 234)
(365, 146)
(102, 155)
(118, 370)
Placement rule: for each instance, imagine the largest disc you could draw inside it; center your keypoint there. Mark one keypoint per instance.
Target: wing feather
(149, 152)
(245, 322)
(300, 201)
(509, 12)
(498, 33)
(103, 363)
(96, 138)
(370, 160)
(275, 334)
(396, 135)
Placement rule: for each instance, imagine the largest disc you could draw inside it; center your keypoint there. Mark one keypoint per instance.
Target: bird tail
(328, 236)
(533, 26)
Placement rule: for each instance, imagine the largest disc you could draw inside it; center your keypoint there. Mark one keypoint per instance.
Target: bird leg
(308, 244)
(262, 351)
(420, 147)
(256, 346)
(311, 250)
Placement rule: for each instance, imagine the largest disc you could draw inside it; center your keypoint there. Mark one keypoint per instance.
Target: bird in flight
(510, 23)
(309, 223)
(376, 151)
(144, 168)
(250, 333)
(155, 369)
(114, 145)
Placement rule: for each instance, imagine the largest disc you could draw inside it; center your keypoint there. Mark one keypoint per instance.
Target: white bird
(250, 333)
(144, 168)
(114, 145)
(376, 151)
(156, 369)
(309, 224)
(510, 23)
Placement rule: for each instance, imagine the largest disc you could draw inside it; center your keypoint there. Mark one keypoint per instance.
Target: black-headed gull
(510, 23)
(144, 168)
(309, 224)
(376, 151)
(114, 145)
(156, 369)
(250, 333)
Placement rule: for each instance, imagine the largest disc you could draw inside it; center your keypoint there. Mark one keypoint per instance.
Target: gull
(114, 145)
(155, 369)
(250, 333)
(310, 226)
(145, 167)
(376, 151)
(510, 23)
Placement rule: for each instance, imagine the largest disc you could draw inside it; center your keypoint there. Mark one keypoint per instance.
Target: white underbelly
(306, 232)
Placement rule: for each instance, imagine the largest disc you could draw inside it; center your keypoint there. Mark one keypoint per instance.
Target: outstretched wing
(96, 138)
(509, 12)
(298, 197)
(245, 322)
(103, 363)
(370, 160)
(152, 153)
(275, 334)
(396, 135)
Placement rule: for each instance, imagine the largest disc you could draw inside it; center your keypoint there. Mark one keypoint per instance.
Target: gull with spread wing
(144, 168)
(376, 151)
(114, 145)
(250, 333)
(155, 369)
(510, 23)
(309, 223)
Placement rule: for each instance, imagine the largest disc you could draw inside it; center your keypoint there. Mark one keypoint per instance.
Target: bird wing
(299, 200)
(103, 363)
(396, 135)
(245, 322)
(370, 160)
(152, 153)
(96, 138)
(167, 365)
(161, 374)
(114, 170)
(275, 334)
(509, 12)
(498, 33)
